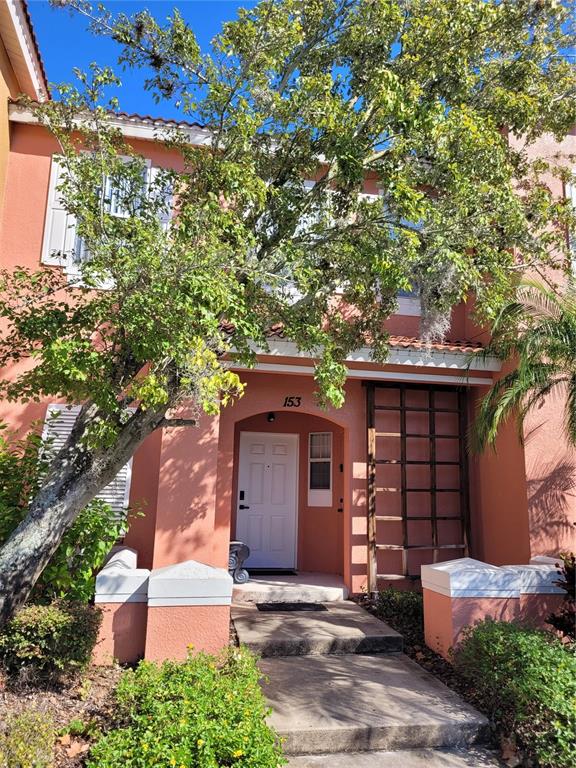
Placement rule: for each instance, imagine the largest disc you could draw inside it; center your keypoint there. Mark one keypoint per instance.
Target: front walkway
(338, 683)
(288, 588)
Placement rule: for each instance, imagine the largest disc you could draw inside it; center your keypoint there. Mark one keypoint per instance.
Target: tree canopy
(420, 97)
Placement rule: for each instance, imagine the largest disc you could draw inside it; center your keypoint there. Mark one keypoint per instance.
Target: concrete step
(332, 704)
(341, 627)
(286, 588)
(473, 757)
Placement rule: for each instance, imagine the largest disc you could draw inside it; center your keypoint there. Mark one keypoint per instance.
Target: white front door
(267, 498)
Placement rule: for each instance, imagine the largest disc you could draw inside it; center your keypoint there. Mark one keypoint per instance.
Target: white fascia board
(156, 130)
(32, 75)
(371, 374)
(166, 602)
(410, 356)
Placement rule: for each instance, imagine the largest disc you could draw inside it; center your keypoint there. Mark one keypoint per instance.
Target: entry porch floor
(291, 588)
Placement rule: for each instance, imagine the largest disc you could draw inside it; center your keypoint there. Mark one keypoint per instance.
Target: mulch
(88, 699)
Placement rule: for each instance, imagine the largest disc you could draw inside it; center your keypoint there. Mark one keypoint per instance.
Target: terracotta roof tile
(155, 120)
(412, 342)
(403, 342)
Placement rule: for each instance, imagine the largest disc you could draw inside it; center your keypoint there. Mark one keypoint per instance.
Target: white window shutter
(59, 226)
(57, 429)
(166, 212)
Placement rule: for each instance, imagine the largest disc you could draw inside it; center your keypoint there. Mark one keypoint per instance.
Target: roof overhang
(130, 126)
(420, 357)
(421, 363)
(18, 39)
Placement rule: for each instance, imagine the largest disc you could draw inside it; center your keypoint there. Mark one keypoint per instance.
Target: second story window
(61, 245)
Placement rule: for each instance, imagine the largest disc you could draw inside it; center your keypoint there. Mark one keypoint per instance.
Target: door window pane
(320, 475)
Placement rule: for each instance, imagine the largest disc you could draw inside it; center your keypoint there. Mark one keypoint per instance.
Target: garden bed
(87, 704)
(523, 679)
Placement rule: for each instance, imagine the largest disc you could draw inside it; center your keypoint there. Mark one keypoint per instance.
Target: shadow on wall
(552, 503)
(186, 495)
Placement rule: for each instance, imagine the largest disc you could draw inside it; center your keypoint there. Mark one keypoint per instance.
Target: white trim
(189, 583)
(537, 578)
(28, 48)
(466, 577)
(356, 373)
(131, 127)
(120, 581)
(320, 497)
(159, 602)
(117, 597)
(411, 356)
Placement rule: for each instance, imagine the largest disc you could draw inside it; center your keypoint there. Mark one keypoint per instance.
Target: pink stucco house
(360, 496)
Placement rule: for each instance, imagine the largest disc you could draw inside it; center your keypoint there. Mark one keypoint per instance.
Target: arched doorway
(288, 492)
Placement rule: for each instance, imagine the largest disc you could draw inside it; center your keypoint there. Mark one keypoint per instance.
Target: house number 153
(292, 402)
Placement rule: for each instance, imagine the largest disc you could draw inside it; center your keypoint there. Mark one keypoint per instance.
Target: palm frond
(570, 411)
(537, 332)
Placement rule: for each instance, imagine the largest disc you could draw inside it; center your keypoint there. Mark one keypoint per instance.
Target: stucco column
(355, 489)
(122, 596)
(458, 593)
(188, 610)
(185, 517)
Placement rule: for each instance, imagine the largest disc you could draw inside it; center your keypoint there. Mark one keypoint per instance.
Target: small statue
(239, 553)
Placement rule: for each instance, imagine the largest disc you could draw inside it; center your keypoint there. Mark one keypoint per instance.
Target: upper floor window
(61, 245)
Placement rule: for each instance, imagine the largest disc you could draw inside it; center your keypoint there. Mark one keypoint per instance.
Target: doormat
(290, 607)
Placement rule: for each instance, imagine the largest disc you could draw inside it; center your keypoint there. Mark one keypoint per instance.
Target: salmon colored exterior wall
(175, 630)
(122, 633)
(8, 88)
(265, 393)
(522, 498)
(498, 496)
(446, 617)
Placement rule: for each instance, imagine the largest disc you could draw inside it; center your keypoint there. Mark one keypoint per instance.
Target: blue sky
(65, 42)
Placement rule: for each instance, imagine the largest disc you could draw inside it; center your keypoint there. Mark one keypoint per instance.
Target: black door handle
(244, 506)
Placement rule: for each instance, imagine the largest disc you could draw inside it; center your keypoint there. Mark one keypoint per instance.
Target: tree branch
(178, 423)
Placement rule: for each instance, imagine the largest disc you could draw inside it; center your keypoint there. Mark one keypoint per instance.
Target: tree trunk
(75, 477)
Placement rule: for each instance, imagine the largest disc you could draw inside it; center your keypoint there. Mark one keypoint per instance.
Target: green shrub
(205, 712)
(71, 571)
(403, 610)
(525, 680)
(27, 741)
(86, 729)
(564, 620)
(49, 640)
